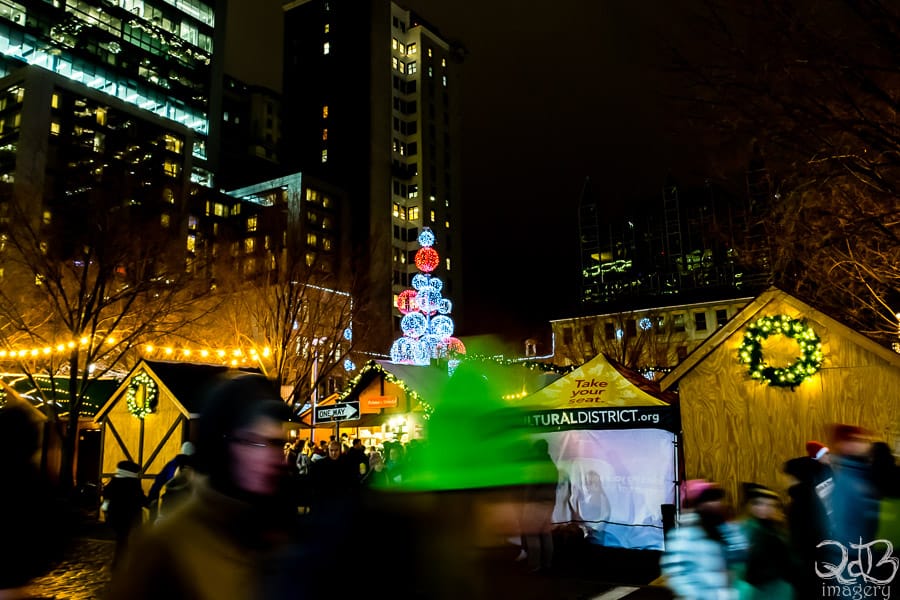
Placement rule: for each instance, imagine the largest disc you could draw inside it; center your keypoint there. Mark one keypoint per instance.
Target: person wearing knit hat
(165, 475)
(704, 553)
(767, 572)
(817, 450)
(124, 502)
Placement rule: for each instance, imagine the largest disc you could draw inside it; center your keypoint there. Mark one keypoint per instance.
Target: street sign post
(341, 411)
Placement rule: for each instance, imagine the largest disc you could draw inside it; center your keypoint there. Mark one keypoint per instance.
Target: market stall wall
(738, 429)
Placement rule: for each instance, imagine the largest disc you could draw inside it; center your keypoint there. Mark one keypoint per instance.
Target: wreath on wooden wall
(141, 395)
(807, 364)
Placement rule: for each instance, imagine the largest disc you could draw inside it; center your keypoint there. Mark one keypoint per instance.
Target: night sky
(553, 93)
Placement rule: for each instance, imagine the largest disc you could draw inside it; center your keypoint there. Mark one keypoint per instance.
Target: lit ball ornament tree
(427, 328)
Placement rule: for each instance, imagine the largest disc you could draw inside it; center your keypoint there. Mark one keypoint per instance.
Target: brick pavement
(82, 575)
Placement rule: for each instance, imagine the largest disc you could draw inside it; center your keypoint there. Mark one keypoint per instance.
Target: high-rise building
(155, 55)
(371, 102)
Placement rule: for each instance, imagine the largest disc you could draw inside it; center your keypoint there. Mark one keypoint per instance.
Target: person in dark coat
(33, 538)
(770, 567)
(124, 502)
(227, 541)
(808, 523)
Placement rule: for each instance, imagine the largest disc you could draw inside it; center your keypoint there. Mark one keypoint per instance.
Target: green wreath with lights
(807, 364)
(151, 395)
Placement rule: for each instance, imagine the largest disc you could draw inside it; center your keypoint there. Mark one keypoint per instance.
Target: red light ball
(427, 259)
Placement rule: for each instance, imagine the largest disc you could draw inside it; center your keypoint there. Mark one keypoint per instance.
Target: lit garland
(151, 394)
(808, 364)
(371, 366)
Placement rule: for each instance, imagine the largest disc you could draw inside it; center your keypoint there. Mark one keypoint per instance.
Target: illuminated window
(171, 168)
(325, 135)
(447, 224)
(326, 243)
(191, 243)
(411, 68)
(325, 111)
(431, 216)
(310, 258)
(311, 239)
(395, 43)
(312, 195)
(208, 204)
(219, 210)
(236, 209)
(249, 245)
(164, 219)
(326, 48)
(169, 196)
(443, 62)
(46, 217)
(326, 223)
(325, 155)
(413, 213)
(395, 63)
(101, 116)
(396, 212)
(326, 201)
(251, 223)
(429, 53)
(173, 144)
(411, 49)
(54, 128)
(20, 94)
(445, 80)
(447, 262)
(402, 68)
(54, 101)
(192, 222)
(327, 28)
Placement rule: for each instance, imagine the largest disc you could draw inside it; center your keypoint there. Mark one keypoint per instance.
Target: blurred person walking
(808, 524)
(705, 553)
(33, 537)
(124, 502)
(227, 540)
(854, 501)
(539, 499)
(770, 567)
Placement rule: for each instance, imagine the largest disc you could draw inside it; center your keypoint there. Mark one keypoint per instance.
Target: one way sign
(344, 411)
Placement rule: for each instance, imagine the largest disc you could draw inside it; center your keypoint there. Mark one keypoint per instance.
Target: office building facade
(156, 55)
(371, 103)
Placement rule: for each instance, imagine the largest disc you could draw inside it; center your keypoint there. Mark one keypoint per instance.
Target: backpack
(303, 464)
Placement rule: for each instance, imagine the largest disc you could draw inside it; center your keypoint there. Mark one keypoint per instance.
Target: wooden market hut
(152, 413)
(49, 397)
(740, 429)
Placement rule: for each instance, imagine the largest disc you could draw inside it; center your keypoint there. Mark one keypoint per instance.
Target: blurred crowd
(832, 538)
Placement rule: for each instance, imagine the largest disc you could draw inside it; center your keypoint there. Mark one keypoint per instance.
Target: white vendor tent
(613, 436)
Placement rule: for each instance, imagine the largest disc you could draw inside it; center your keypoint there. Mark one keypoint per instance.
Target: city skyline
(584, 83)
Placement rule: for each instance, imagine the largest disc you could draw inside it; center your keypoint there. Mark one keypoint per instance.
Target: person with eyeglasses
(228, 540)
